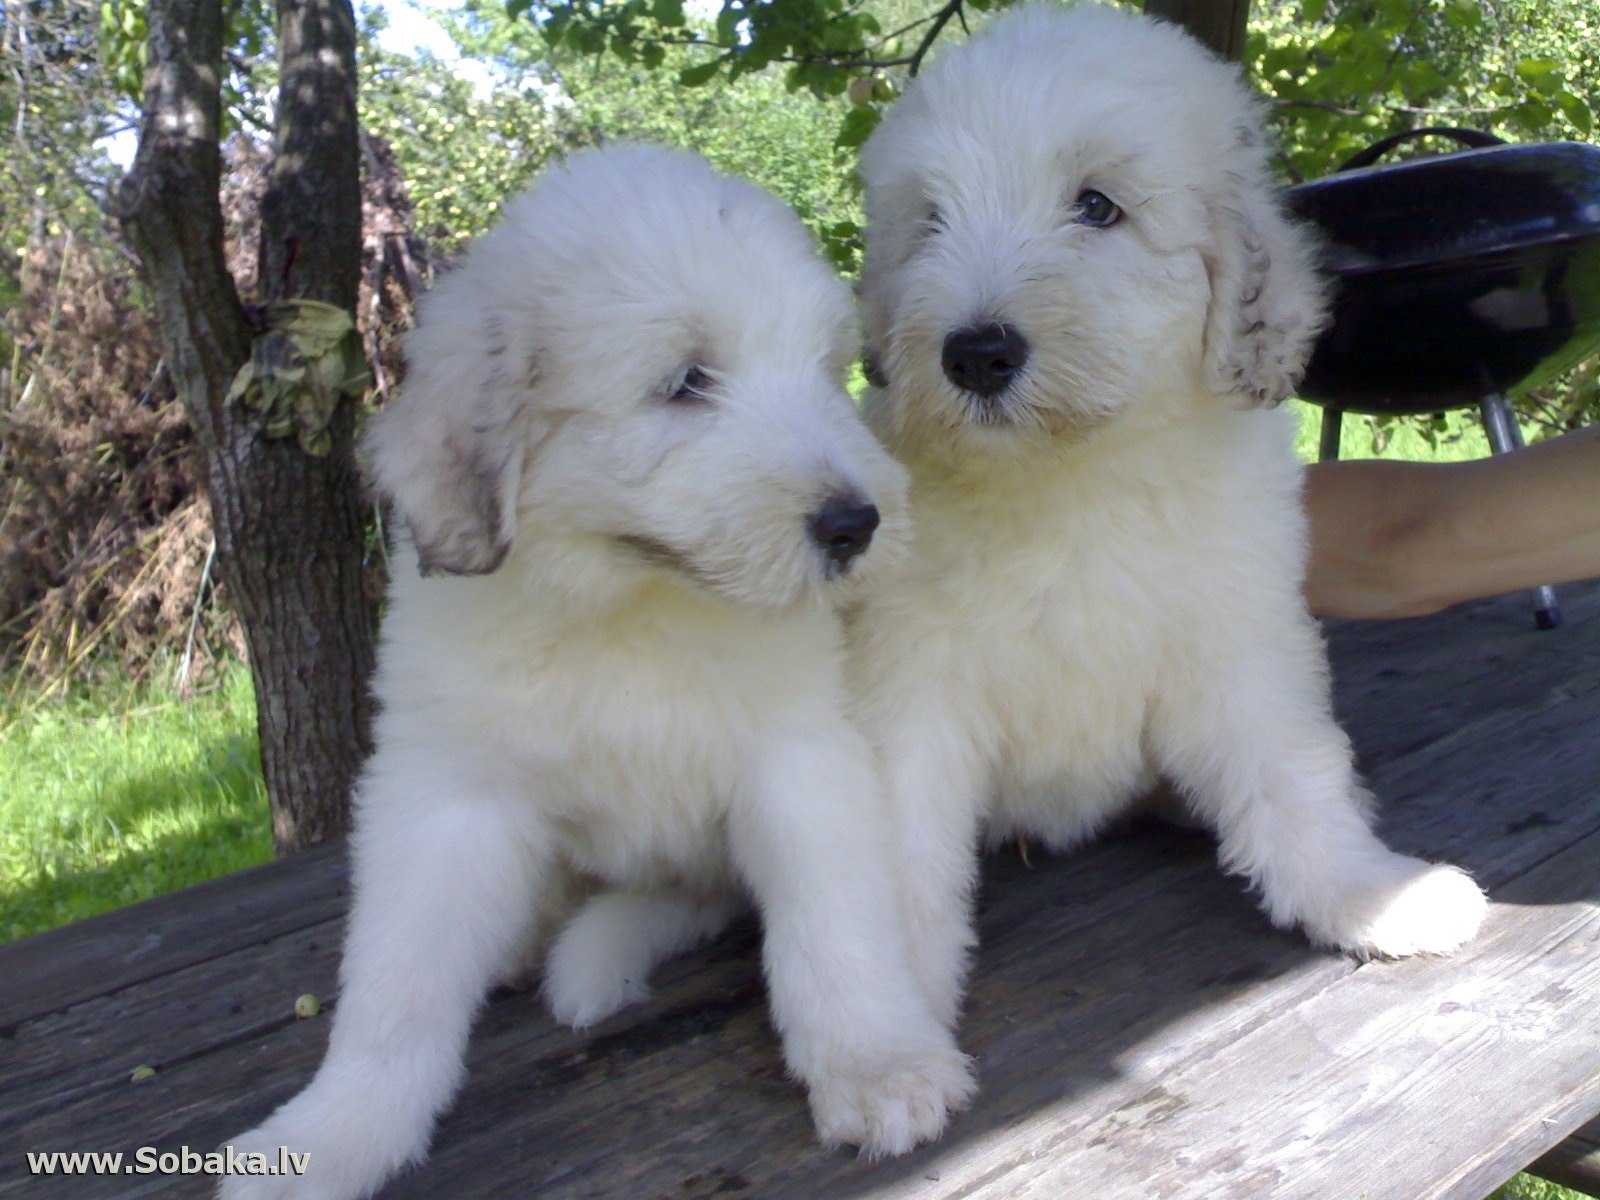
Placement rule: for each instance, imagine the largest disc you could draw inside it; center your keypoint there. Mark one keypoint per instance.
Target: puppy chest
(1069, 705)
(659, 841)
(641, 773)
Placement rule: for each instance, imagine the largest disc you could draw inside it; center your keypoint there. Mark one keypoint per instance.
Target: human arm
(1396, 539)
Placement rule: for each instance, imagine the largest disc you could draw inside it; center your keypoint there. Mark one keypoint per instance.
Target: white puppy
(1079, 290)
(635, 488)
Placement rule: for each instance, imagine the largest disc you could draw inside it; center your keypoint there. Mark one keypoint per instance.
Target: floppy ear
(449, 450)
(1268, 303)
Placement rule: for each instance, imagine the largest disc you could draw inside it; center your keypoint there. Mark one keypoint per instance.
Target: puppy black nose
(843, 527)
(984, 359)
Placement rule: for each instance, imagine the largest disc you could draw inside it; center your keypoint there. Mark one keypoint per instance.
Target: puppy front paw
(890, 1109)
(1433, 909)
(262, 1145)
(346, 1146)
(584, 989)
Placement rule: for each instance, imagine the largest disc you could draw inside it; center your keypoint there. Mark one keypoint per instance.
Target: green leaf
(554, 26)
(858, 125)
(1576, 110)
(515, 8)
(1542, 75)
(1531, 115)
(699, 74)
(667, 12)
(1280, 58)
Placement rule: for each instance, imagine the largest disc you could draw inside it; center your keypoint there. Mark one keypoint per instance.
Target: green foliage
(758, 130)
(120, 792)
(463, 152)
(822, 41)
(123, 46)
(1344, 73)
(55, 105)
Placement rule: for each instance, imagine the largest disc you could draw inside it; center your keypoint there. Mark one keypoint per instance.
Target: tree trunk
(290, 527)
(1219, 24)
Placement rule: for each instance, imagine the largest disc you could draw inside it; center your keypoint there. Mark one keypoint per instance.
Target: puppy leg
(935, 805)
(443, 885)
(1254, 743)
(810, 839)
(601, 961)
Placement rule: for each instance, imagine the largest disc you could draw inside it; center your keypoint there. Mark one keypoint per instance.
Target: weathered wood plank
(1399, 1081)
(1137, 1023)
(186, 1014)
(1575, 1163)
(1402, 684)
(51, 971)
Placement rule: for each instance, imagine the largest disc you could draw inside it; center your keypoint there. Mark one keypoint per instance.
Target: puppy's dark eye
(933, 222)
(1096, 209)
(692, 388)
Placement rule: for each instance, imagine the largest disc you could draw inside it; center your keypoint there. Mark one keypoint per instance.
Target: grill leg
(1332, 423)
(1500, 423)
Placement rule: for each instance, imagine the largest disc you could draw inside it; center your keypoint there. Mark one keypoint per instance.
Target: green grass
(1529, 1187)
(114, 793)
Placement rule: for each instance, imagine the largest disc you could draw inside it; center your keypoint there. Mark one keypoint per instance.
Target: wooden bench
(1141, 1031)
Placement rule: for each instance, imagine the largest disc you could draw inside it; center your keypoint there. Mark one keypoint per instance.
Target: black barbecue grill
(1461, 279)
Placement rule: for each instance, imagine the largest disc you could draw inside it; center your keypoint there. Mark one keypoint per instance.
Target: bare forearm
(1392, 539)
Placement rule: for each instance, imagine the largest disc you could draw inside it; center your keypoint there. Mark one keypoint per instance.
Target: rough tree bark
(289, 526)
(1220, 24)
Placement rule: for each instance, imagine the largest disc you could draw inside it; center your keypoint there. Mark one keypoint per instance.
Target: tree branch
(864, 59)
(940, 20)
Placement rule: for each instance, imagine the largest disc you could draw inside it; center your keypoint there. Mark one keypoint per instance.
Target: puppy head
(1070, 217)
(644, 363)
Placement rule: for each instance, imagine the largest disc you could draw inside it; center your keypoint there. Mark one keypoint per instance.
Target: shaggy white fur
(625, 456)
(1080, 292)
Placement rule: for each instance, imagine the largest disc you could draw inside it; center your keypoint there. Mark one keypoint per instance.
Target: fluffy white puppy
(1079, 292)
(635, 489)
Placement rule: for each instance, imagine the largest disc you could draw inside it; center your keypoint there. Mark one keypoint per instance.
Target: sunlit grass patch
(1530, 1187)
(114, 793)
